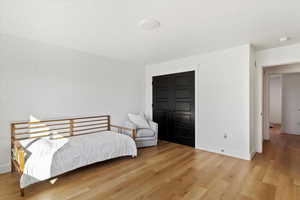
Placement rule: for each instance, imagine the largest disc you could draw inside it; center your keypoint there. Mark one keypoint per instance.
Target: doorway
(174, 107)
(281, 116)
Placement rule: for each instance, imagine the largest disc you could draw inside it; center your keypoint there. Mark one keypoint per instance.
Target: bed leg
(13, 169)
(22, 192)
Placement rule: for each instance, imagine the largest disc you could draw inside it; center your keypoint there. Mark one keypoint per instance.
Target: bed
(42, 150)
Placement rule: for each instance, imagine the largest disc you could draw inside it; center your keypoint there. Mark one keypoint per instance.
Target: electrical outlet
(222, 150)
(225, 136)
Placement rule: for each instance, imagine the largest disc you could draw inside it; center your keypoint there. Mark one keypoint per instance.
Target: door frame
(175, 71)
(263, 114)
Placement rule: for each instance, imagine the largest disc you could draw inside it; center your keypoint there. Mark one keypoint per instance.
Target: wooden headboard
(57, 129)
(60, 127)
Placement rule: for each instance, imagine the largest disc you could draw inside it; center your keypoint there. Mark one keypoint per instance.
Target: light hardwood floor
(172, 171)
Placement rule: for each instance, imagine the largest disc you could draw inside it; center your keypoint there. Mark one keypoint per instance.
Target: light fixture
(149, 24)
(284, 39)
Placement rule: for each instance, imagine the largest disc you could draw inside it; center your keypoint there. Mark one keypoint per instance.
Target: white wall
(222, 98)
(291, 103)
(50, 82)
(278, 56)
(275, 99)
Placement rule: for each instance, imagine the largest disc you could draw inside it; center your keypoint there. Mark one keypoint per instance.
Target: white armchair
(145, 137)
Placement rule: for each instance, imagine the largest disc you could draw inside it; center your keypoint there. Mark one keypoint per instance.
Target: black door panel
(162, 117)
(174, 107)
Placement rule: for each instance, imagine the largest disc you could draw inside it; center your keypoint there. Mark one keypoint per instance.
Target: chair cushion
(145, 132)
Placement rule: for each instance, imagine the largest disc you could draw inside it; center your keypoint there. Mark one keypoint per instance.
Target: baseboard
(4, 168)
(290, 131)
(248, 157)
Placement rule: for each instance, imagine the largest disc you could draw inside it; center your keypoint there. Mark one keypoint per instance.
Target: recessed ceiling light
(149, 24)
(284, 39)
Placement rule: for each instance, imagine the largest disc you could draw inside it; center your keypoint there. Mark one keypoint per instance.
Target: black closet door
(174, 107)
(162, 109)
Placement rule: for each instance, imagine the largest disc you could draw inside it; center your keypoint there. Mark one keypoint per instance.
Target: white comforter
(48, 158)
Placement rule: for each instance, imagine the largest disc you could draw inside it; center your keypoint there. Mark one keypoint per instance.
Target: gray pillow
(139, 120)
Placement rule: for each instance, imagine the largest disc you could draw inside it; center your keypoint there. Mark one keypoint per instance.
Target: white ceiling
(110, 27)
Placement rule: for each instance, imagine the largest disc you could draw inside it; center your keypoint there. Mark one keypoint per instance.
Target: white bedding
(49, 158)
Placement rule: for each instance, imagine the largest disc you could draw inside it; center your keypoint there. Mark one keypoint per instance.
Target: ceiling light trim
(149, 24)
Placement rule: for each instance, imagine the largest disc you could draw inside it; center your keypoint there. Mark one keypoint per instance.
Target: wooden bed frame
(59, 128)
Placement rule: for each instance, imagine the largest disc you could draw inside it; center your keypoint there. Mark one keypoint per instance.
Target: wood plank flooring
(172, 171)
